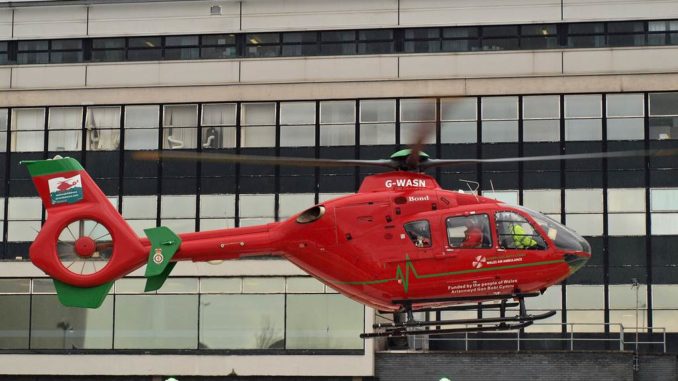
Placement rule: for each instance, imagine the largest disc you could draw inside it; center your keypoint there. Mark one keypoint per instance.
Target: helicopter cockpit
(563, 237)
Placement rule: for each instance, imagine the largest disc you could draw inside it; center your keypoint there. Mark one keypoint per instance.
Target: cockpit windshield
(515, 232)
(563, 237)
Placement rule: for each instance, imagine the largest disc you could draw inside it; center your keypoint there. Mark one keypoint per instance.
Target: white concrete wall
(162, 73)
(587, 10)
(474, 12)
(163, 18)
(624, 60)
(318, 14)
(6, 23)
(50, 22)
(53, 76)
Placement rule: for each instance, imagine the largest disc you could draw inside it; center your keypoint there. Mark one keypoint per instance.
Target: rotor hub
(85, 247)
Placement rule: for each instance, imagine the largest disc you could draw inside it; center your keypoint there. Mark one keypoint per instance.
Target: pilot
(521, 240)
(473, 236)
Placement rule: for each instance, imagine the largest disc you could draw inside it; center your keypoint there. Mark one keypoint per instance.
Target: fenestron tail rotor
(84, 247)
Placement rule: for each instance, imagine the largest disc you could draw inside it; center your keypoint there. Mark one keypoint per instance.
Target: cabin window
(419, 232)
(515, 232)
(469, 232)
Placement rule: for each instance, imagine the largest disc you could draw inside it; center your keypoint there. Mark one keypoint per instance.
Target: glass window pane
(102, 125)
(218, 39)
(584, 200)
(257, 136)
(458, 108)
(217, 205)
(417, 110)
(664, 223)
(66, 44)
(242, 321)
(375, 134)
(304, 285)
(156, 322)
(623, 296)
(625, 129)
(664, 104)
(139, 207)
(174, 285)
(541, 107)
(500, 108)
(626, 224)
(625, 105)
(410, 131)
(54, 326)
(324, 322)
(545, 201)
(626, 200)
(663, 200)
(337, 135)
(15, 286)
(256, 205)
(469, 232)
(337, 112)
(377, 110)
(3, 129)
(219, 114)
(15, 319)
(32, 121)
(108, 43)
(664, 128)
(665, 296)
(65, 118)
(177, 206)
(297, 113)
(141, 116)
(586, 224)
(500, 131)
(263, 285)
(583, 129)
(545, 130)
(297, 136)
(180, 116)
(582, 106)
(458, 132)
(257, 114)
(144, 42)
(585, 297)
(220, 285)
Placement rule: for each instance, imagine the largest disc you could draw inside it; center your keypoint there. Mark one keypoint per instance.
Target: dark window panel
(66, 44)
(300, 37)
(300, 50)
(217, 185)
(182, 40)
(500, 44)
(108, 55)
(182, 53)
(499, 31)
(626, 40)
(65, 57)
(376, 48)
(3, 59)
(218, 39)
(625, 27)
(586, 28)
(422, 33)
(336, 36)
(32, 58)
(627, 251)
(144, 42)
(174, 185)
(460, 32)
(263, 51)
(626, 274)
(545, 42)
(538, 30)
(144, 54)
(108, 43)
(262, 38)
(338, 48)
(140, 186)
(375, 34)
(218, 52)
(3, 46)
(586, 41)
(422, 46)
(663, 251)
(460, 45)
(33, 45)
(664, 274)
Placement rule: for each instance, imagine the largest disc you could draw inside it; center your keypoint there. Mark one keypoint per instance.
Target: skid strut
(501, 323)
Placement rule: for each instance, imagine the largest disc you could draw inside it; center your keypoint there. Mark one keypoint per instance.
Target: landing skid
(502, 323)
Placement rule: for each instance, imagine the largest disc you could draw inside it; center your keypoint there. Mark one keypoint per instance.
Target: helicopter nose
(576, 260)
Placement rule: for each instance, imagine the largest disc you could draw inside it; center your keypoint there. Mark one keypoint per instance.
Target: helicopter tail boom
(84, 244)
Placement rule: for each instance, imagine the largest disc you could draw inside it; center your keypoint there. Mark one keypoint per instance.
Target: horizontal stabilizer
(164, 244)
(83, 297)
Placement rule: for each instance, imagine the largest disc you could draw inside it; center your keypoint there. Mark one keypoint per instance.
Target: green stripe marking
(409, 267)
(48, 167)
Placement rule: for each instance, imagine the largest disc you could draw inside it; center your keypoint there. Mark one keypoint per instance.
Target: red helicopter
(400, 244)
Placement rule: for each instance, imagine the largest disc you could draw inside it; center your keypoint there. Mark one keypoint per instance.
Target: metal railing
(569, 335)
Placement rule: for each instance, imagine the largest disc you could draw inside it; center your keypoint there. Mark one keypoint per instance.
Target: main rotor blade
(575, 156)
(260, 160)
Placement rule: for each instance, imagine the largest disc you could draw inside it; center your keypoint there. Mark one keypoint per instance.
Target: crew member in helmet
(473, 236)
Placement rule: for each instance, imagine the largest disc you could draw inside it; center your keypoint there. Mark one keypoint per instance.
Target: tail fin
(85, 244)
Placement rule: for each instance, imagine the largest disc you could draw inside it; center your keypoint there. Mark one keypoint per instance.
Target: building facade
(99, 81)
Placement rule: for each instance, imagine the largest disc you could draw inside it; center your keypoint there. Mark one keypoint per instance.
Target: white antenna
(494, 195)
(473, 190)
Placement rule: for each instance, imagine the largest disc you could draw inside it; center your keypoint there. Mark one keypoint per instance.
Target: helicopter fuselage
(401, 240)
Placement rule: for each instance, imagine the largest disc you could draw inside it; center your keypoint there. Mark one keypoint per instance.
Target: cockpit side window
(469, 232)
(419, 232)
(515, 232)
